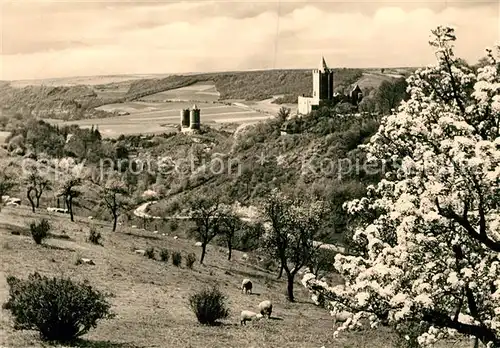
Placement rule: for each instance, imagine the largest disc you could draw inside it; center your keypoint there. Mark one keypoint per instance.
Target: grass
(151, 300)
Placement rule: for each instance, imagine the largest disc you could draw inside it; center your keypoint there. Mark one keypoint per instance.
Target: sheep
(249, 316)
(341, 317)
(266, 308)
(246, 286)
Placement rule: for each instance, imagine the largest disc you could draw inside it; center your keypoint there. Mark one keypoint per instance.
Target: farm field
(85, 80)
(150, 117)
(202, 91)
(151, 114)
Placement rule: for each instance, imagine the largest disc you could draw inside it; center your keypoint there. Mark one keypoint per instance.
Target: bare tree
(114, 198)
(69, 192)
(206, 214)
(230, 224)
(294, 224)
(36, 186)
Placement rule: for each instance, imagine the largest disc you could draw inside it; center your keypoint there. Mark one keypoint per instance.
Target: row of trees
(292, 224)
(112, 191)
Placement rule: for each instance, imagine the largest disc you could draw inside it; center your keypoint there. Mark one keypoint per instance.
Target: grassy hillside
(68, 103)
(150, 297)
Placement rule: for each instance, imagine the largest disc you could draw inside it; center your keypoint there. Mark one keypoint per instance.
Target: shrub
(94, 236)
(209, 305)
(176, 258)
(59, 309)
(190, 260)
(164, 255)
(174, 225)
(150, 253)
(408, 332)
(39, 231)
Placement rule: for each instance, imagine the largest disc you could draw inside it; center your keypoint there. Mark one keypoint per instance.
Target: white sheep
(249, 316)
(341, 317)
(266, 308)
(246, 285)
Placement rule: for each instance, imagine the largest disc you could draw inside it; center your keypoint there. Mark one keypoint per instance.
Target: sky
(49, 39)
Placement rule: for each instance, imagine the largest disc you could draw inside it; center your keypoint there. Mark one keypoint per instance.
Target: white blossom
(437, 233)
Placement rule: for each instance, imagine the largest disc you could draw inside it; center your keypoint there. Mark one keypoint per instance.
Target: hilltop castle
(323, 91)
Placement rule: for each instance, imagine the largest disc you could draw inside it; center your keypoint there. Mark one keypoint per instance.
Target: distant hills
(77, 98)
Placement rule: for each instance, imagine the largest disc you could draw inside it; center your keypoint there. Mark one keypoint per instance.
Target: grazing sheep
(246, 286)
(341, 317)
(266, 308)
(249, 316)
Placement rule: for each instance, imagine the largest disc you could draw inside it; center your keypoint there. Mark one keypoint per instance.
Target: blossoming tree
(430, 236)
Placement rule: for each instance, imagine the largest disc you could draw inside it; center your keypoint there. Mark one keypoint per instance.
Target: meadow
(150, 297)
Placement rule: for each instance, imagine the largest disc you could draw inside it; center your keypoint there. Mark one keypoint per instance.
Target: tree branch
(482, 238)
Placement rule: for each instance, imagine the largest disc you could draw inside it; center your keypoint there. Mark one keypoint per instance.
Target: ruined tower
(195, 118)
(184, 118)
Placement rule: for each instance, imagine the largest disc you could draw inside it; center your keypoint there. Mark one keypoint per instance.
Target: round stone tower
(195, 120)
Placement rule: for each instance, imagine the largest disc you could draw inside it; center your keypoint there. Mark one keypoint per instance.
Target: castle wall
(306, 105)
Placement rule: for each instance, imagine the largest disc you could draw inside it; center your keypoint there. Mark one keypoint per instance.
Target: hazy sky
(44, 38)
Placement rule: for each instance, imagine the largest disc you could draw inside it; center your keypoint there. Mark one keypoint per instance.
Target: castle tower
(195, 118)
(322, 82)
(184, 118)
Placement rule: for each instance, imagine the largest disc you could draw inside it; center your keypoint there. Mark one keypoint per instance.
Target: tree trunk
(289, 288)
(115, 220)
(281, 272)
(28, 194)
(38, 200)
(230, 249)
(70, 209)
(203, 251)
(58, 204)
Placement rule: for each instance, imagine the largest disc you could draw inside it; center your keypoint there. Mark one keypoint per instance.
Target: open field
(374, 79)
(150, 296)
(153, 113)
(150, 117)
(84, 80)
(202, 91)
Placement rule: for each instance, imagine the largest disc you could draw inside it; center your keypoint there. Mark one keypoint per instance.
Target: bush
(176, 258)
(39, 231)
(150, 253)
(209, 305)
(94, 236)
(408, 332)
(190, 260)
(164, 255)
(173, 225)
(59, 309)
